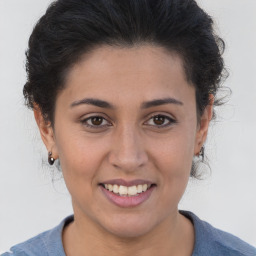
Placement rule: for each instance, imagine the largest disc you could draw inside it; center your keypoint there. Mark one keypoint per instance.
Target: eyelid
(171, 119)
(83, 121)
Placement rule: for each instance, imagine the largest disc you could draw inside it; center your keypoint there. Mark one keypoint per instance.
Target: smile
(127, 191)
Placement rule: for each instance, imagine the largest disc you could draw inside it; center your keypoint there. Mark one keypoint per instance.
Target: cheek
(173, 157)
(80, 155)
(175, 153)
(80, 159)
(80, 162)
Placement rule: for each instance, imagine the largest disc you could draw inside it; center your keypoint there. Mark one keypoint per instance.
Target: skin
(128, 144)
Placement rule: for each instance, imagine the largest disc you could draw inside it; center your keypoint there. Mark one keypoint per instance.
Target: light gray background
(29, 203)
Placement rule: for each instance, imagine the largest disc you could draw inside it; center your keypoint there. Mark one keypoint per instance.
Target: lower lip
(127, 201)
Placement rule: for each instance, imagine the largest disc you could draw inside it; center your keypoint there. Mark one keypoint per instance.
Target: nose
(127, 151)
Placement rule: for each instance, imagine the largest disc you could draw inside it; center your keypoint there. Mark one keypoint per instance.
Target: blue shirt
(209, 241)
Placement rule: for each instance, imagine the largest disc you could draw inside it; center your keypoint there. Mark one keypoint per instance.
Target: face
(126, 120)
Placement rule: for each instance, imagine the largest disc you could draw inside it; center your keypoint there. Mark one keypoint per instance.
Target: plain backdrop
(30, 202)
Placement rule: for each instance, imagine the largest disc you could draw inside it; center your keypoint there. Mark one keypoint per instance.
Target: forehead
(141, 72)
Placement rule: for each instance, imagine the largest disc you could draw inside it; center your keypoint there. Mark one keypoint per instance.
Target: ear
(46, 132)
(203, 125)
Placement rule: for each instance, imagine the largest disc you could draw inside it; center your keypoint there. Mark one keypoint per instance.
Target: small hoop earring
(51, 160)
(201, 153)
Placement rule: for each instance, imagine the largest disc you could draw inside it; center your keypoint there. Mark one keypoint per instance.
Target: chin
(126, 231)
(130, 226)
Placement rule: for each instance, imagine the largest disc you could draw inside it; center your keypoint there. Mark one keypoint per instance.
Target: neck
(173, 236)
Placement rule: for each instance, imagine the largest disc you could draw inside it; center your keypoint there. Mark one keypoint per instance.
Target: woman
(123, 93)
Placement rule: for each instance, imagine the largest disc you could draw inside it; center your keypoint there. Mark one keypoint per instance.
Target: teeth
(116, 189)
(144, 187)
(123, 190)
(132, 191)
(139, 188)
(110, 187)
(127, 191)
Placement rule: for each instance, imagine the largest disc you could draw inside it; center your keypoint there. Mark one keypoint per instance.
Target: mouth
(127, 194)
(127, 191)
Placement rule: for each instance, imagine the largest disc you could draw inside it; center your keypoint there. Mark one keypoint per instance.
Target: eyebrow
(94, 102)
(159, 102)
(144, 105)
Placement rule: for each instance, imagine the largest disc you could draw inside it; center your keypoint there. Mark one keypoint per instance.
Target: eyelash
(170, 120)
(84, 122)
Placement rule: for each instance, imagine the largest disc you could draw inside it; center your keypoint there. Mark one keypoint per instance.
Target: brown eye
(159, 120)
(97, 120)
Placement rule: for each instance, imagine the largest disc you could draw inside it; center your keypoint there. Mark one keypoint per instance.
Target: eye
(95, 122)
(161, 121)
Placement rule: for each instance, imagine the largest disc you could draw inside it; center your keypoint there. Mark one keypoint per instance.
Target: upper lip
(127, 183)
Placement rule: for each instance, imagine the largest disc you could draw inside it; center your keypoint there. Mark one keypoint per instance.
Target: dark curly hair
(71, 28)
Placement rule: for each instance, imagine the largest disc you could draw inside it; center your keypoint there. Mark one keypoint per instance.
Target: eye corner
(162, 124)
(103, 122)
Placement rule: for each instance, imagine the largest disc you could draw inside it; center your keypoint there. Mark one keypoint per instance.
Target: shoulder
(212, 241)
(47, 243)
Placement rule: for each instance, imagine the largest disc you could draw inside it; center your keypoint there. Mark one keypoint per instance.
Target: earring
(51, 160)
(201, 153)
